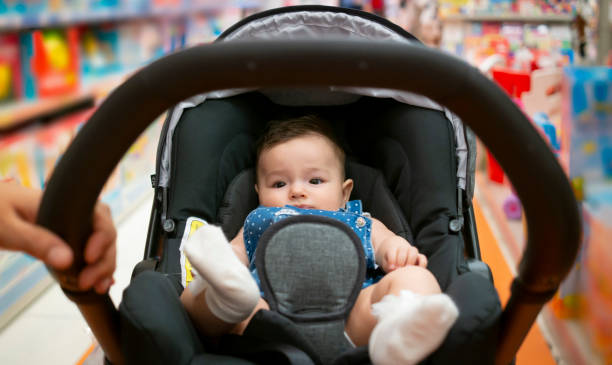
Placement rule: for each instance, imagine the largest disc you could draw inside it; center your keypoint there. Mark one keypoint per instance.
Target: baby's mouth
(304, 206)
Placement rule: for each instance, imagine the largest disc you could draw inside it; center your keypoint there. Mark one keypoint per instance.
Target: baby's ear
(256, 189)
(347, 188)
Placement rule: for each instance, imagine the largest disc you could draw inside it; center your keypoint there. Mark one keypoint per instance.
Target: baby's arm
(392, 251)
(239, 249)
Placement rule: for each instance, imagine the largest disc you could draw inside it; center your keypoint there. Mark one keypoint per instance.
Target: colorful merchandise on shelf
(506, 7)
(588, 121)
(167, 4)
(174, 35)
(97, 5)
(99, 47)
(495, 6)
(198, 30)
(454, 7)
(15, 163)
(140, 42)
(515, 83)
(29, 156)
(10, 74)
(512, 207)
(129, 47)
(523, 47)
(570, 301)
(68, 6)
(50, 62)
(587, 157)
(23, 7)
(544, 95)
(494, 170)
(136, 6)
(549, 131)
(151, 41)
(598, 284)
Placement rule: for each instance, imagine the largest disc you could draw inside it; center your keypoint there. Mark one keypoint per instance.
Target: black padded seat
(403, 163)
(410, 152)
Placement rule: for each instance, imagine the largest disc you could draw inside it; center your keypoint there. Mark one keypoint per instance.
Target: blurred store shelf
(49, 19)
(518, 18)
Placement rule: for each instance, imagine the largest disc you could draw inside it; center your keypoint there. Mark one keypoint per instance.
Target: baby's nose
(297, 191)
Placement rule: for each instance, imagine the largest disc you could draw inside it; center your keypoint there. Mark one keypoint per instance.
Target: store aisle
(535, 349)
(51, 329)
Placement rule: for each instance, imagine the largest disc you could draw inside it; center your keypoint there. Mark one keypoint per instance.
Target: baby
(403, 316)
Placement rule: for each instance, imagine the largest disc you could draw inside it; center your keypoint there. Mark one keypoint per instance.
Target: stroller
(412, 160)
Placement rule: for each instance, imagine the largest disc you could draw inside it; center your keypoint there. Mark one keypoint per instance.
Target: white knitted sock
(410, 327)
(231, 291)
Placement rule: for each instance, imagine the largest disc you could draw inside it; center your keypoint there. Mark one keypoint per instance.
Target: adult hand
(18, 232)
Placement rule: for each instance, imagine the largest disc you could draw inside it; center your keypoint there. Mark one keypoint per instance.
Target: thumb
(389, 261)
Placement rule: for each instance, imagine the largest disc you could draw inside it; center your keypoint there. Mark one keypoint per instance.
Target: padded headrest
(369, 187)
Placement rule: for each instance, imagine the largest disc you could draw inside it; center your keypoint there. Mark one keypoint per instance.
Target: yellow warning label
(192, 225)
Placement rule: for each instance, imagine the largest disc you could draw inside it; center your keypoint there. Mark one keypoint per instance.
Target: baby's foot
(410, 327)
(231, 292)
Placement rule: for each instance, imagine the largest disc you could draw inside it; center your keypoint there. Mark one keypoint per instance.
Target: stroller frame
(549, 203)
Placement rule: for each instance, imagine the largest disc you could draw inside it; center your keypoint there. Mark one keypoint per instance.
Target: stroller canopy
(315, 22)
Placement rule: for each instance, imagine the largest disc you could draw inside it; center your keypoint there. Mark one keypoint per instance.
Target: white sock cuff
(234, 309)
(391, 303)
(197, 285)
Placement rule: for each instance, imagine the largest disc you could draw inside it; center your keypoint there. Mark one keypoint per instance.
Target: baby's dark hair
(280, 131)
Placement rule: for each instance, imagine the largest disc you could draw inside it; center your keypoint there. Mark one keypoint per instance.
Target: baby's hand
(399, 253)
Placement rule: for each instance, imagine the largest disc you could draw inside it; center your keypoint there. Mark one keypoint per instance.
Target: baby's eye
(278, 184)
(316, 181)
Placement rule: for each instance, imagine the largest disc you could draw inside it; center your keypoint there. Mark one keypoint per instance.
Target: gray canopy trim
(309, 25)
(313, 25)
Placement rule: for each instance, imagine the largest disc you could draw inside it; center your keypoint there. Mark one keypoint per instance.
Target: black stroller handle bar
(552, 212)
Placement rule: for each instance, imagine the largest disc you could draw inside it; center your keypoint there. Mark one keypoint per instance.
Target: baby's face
(304, 172)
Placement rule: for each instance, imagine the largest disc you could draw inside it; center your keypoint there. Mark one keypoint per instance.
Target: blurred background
(59, 59)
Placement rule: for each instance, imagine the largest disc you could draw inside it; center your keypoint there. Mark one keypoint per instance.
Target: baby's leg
(223, 293)
(409, 318)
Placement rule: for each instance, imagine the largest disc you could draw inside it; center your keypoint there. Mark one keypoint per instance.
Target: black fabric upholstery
(473, 338)
(415, 150)
(371, 188)
(208, 359)
(271, 338)
(240, 199)
(402, 159)
(164, 326)
(356, 356)
(211, 145)
(156, 328)
(170, 261)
